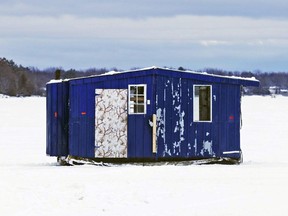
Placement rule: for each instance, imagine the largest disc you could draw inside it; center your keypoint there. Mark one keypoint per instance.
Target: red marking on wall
(231, 118)
(83, 113)
(55, 114)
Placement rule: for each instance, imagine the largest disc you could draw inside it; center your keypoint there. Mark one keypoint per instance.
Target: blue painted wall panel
(82, 121)
(57, 119)
(229, 120)
(171, 98)
(196, 139)
(82, 99)
(172, 109)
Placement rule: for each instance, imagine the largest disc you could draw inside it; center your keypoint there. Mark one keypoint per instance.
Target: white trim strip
(231, 152)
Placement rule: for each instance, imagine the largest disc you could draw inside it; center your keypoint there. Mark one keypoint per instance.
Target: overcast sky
(224, 34)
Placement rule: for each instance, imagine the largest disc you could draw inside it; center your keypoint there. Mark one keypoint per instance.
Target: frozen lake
(32, 183)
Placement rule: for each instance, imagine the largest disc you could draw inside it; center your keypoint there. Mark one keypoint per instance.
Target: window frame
(194, 104)
(144, 102)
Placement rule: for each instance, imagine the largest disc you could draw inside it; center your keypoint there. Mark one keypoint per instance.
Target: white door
(111, 123)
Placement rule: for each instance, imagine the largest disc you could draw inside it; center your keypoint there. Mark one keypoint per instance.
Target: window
(202, 109)
(137, 99)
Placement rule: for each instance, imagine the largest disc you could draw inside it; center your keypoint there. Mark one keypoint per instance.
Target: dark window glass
(202, 103)
(137, 99)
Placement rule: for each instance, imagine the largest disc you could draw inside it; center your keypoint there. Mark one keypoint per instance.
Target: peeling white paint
(176, 145)
(160, 119)
(179, 114)
(177, 108)
(207, 147)
(156, 100)
(207, 133)
(166, 150)
(150, 123)
(161, 122)
(176, 93)
(172, 91)
(180, 87)
(179, 127)
(181, 123)
(214, 97)
(176, 127)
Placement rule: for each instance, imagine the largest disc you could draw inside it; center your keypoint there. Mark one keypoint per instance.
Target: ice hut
(150, 114)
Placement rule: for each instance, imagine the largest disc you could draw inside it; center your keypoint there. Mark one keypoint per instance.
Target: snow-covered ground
(32, 184)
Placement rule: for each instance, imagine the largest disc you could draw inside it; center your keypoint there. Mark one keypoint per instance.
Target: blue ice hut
(151, 114)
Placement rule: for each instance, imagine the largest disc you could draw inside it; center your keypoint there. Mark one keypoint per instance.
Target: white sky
(225, 34)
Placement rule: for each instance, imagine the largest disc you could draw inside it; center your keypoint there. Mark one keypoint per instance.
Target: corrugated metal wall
(82, 115)
(180, 137)
(229, 109)
(57, 119)
(81, 123)
(171, 99)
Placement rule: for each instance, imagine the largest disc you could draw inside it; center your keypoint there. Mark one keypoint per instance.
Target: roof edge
(252, 81)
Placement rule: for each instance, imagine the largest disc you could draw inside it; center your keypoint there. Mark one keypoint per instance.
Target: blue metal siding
(82, 127)
(206, 78)
(230, 112)
(57, 119)
(171, 98)
(183, 138)
(82, 112)
(173, 117)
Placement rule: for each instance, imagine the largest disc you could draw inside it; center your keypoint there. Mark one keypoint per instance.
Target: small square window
(137, 99)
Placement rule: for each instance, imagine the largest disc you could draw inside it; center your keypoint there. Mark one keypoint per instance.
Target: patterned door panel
(111, 123)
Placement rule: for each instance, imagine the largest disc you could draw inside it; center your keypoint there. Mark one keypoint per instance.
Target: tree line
(267, 79)
(16, 80)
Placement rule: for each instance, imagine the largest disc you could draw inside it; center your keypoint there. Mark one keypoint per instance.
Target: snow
(33, 184)
(163, 68)
(111, 73)
(55, 81)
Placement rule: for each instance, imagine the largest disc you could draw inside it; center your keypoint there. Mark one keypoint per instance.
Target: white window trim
(145, 97)
(211, 107)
